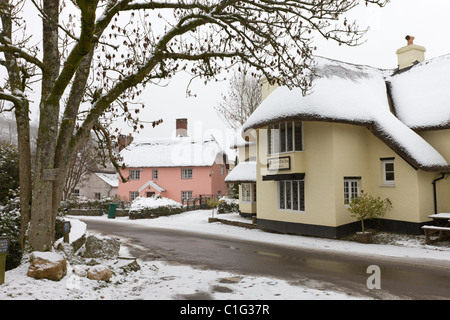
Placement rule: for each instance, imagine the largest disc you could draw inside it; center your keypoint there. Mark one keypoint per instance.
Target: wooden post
(66, 231)
(4, 249)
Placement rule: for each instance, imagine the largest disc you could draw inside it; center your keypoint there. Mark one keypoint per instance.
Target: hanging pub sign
(281, 163)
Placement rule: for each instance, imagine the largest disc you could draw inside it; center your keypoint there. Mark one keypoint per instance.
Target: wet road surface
(399, 279)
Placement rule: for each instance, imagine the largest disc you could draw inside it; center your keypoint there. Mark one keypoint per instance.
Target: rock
(47, 265)
(77, 244)
(99, 272)
(79, 271)
(101, 247)
(66, 249)
(128, 265)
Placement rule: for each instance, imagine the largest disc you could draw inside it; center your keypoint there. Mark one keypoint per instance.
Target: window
(135, 174)
(97, 195)
(388, 171)
(291, 195)
(248, 192)
(155, 174)
(186, 173)
(351, 189)
(133, 195)
(246, 189)
(285, 137)
(222, 170)
(185, 195)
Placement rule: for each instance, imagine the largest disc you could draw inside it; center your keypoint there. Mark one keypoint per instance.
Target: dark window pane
(289, 136)
(282, 137)
(298, 136)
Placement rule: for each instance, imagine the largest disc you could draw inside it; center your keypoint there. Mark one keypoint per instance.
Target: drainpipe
(434, 191)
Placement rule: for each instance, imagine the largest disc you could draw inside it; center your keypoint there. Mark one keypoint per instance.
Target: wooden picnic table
(442, 221)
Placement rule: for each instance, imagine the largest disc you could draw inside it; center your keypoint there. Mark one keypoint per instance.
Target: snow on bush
(153, 207)
(152, 203)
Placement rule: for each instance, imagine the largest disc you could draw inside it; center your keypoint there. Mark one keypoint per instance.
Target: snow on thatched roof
(243, 172)
(171, 152)
(421, 95)
(353, 94)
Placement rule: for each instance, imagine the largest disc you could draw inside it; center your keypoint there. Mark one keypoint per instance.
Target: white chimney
(410, 54)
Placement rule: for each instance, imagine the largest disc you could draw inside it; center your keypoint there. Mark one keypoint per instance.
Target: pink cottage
(176, 168)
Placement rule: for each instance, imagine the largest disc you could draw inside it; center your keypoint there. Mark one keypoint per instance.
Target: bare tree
(242, 99)
(95, 57)
(86, 160)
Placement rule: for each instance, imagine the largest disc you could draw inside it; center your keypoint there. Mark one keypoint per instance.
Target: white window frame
(155, 174)
(247, 192)
(187, 173)
(386, 182)
(349, 189)
(286, 203)
(185, 195)
(275, 138)
(134, 195)
(135, 174)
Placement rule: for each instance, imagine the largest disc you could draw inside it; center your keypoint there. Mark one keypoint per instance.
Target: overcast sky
(427, 20)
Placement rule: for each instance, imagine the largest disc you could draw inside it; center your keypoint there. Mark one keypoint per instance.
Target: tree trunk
(42, 223)
(23, 142)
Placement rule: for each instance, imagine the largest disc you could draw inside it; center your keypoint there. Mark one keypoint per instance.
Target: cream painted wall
(333, 151)
(440, 140)
(316, 163)
(246, 152)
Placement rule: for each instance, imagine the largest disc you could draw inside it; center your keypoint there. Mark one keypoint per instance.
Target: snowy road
(330, 270)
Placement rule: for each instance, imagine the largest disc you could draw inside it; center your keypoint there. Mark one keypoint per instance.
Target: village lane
(342, 272)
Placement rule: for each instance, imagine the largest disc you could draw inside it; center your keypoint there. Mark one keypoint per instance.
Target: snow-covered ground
(158, 280)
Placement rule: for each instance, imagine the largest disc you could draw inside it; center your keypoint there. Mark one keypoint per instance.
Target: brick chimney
(181, 127)
(410, 54)
(124, 141)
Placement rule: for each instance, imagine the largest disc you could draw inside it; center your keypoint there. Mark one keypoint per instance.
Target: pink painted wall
(205, 180)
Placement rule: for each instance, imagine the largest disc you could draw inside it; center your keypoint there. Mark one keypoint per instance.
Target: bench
(433, 230)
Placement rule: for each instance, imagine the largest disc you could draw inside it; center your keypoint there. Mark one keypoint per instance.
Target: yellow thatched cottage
(386, 132)
(244, 173)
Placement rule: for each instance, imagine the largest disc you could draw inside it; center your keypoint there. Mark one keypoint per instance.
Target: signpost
(4, 249)
(66, 231)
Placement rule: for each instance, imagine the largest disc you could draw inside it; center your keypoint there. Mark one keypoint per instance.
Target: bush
(154, 207)
(10, 227)
(367, 207)
(228, 205)
(9, 172)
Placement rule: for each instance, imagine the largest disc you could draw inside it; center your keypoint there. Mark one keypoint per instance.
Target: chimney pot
(410, 39)
(181, 127)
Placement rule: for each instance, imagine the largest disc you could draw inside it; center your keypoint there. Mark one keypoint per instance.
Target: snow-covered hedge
(153, 207)
(227, 205)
